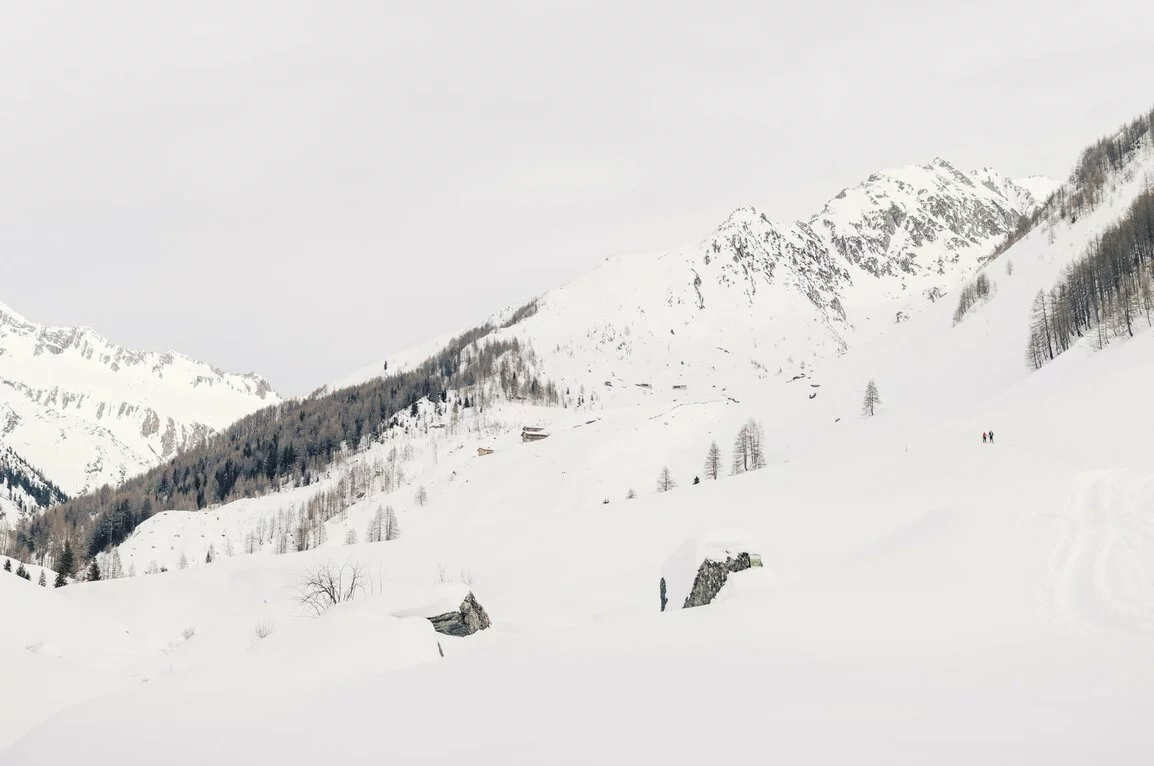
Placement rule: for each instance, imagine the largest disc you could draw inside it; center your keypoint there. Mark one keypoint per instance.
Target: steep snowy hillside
(85, 411)
(760, 298)
(1039, 186)
(960, 365)
(23, 489)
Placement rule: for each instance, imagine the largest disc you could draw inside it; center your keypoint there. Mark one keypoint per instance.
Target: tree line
(290, 444)
(1103, 293)
(1099, 162)
(19, 479)
(971, 294)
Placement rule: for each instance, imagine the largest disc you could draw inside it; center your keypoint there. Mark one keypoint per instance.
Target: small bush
(327, 585)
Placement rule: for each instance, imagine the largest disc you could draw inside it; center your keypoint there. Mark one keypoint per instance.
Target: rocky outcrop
(711, 576)
(699, 569)
(466, 620)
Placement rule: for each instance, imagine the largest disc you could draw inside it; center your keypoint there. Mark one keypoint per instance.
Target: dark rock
(711, 577)
(466, 621)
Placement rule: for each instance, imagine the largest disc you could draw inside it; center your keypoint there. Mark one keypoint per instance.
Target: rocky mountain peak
(85, 411)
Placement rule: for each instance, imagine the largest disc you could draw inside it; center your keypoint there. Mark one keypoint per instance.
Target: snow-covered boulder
(452, 609)
(697, 570)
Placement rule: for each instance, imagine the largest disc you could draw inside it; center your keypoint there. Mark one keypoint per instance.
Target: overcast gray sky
(300, 188)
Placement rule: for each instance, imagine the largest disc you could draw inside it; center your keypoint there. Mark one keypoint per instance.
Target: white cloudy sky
(299, 188)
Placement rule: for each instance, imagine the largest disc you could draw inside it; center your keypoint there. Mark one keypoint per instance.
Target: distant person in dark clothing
(983, 437)
(991, 437)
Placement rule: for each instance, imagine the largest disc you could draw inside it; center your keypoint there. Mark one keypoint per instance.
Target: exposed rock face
(711, 576)
(700, 567)
(465, 621)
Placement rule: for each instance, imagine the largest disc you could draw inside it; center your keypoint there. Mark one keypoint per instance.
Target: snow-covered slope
(924, 598)
(762, 297)
(85, 411)
(23, 489)
(1040, 187)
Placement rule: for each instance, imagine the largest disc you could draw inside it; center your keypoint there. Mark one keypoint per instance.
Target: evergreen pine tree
(93, 571)
(7, 565)
(67, 566)
(43, 581)
(22, 572)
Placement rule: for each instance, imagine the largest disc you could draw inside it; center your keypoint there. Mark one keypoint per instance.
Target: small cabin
(483, 451)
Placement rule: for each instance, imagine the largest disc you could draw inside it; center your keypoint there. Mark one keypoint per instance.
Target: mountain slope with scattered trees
(288, 444)
(22, 487)
(1103, 294)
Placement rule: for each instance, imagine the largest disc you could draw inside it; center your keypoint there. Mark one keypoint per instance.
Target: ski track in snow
(1100, 578)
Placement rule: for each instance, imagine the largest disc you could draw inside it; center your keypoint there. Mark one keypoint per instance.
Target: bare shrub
(188, 632)
(464, 576)
(327, 585)
(263, 629)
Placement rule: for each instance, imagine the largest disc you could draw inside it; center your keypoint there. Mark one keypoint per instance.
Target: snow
(436, 601)
(970, 603)
(1039, 186)
(924, 597)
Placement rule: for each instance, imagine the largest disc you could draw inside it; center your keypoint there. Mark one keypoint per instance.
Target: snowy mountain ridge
(85, 411)
(767, 296)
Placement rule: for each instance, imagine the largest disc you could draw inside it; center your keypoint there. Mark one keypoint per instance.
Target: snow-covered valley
(923, 596)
